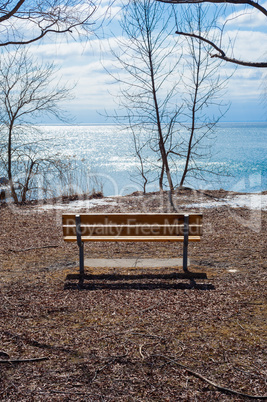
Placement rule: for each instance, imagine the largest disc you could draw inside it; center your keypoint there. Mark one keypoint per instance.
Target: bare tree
(148, 83)
(142, 170)
(27, 90)
(204, 88)
(167, 108)
(24, 22)
(221, 53)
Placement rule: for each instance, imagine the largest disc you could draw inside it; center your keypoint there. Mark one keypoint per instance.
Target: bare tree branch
(248, 2)
(12, 12)
(30, 21)
(27, 90)
(222, 54)
(27, 42)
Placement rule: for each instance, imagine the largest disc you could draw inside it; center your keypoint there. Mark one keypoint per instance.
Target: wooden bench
(131, 227)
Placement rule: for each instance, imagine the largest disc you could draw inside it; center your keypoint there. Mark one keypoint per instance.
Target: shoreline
(184, 198)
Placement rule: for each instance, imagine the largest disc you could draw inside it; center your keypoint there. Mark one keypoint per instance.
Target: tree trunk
(161, 140)
(9, 166)
(193, 118)
(161, 177)
(26, 186)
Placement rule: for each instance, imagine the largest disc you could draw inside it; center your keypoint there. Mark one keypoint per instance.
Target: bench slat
(132, 230)
(132, 238)
(132, 219)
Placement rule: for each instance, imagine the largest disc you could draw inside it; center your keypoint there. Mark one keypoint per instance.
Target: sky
(85, 64)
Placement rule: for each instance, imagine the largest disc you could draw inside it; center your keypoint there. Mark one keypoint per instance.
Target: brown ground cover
(134, 340)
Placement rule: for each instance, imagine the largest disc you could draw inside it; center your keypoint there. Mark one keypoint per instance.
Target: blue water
(241, 147)
(103, 157)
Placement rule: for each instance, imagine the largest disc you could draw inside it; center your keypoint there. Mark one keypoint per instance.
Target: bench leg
(81, 264)
(186, 231)
(80, 244)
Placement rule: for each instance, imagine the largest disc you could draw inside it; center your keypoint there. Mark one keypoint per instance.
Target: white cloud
(245, 84)
(109, 12)
(248, 17)
(83, 63)
(246, 45)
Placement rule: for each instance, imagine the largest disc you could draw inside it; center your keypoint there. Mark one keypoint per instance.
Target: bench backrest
(131, 227)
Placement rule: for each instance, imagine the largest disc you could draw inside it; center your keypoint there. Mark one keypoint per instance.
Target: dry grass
(124, 341)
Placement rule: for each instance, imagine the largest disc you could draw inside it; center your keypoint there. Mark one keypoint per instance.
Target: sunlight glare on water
(108, 151)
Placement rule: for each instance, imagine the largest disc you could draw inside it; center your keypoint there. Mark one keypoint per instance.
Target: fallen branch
(32, 248)
(201, 377)
(201, 192)
(36, 359)
(51, 391)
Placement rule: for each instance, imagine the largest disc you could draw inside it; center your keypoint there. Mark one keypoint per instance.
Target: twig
(240, 325)
(32, 248)
(202, 192)
(219, 387)
(246, 373)
(140, 351)
(68, 392)
(147, 335)
(23, 360)
(150, 307)
(102, 368)
(52, 391)
(111, 361)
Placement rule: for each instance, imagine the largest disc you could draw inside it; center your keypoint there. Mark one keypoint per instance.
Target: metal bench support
(186, 232)
(80, 244)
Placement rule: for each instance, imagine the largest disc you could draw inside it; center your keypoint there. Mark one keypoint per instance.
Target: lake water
(104, 157)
